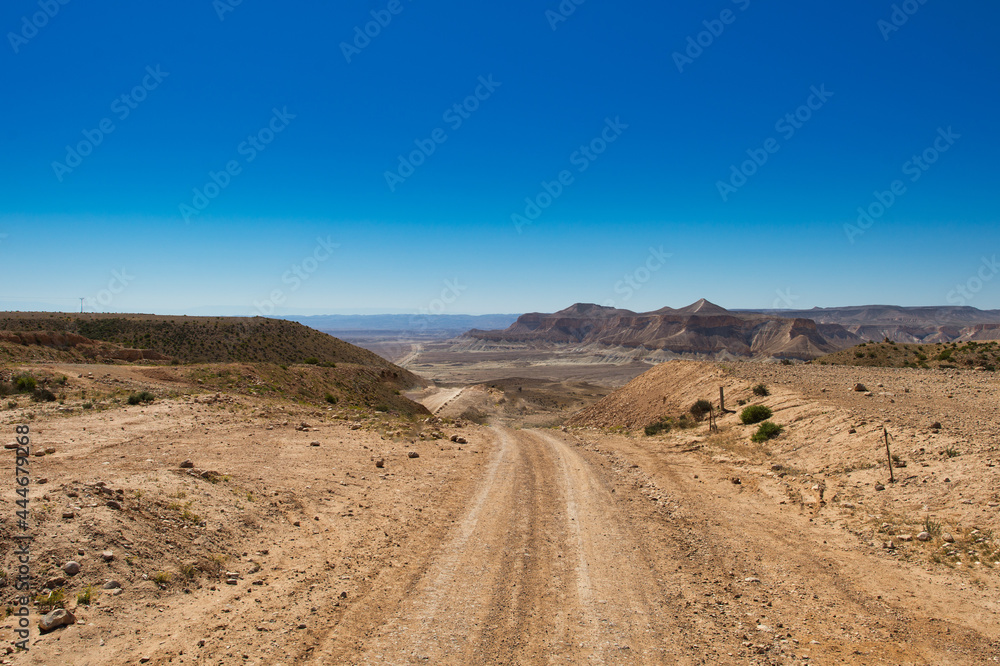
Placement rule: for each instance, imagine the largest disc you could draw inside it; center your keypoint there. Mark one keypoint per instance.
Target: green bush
(766, 431)
(700, 409)
(312, 360)
(141, 397)
(330, 398)
(755, 414)
(761, 390)
(657, 428)
(25, 384)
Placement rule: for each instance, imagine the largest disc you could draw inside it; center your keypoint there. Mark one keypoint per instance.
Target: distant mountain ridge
(924, 324)
(702, 328)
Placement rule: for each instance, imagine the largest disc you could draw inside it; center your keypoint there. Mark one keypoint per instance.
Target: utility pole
(81, 305)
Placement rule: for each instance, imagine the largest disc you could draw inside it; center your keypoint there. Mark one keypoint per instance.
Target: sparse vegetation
(42, 394)
(761, 391)
(83, 597)
(330, 398)
(657, 427)
(54, 599)
(142, 397)
(700, 409)
(161, 578)
(755, 414)
(767, 430)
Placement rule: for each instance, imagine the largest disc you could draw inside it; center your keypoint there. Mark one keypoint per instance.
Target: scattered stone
(905, 537)
(751, 579)
(313, 443)
(50, 450)
(112, 585)
(860, 388)
(107, 556)
(68, 515)
(71, 568)
(947, 537)
(412, 454)
(232, 581)
(736, 481)
(936, 425)
(60, 617)
(187, 464)
(54, 583)
(459, 440)
(776, 467)
(879, 487)
(852, 431)
(380, 463)
(112, 504)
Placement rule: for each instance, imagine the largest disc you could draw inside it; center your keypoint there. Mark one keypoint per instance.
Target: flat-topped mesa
(702, 328)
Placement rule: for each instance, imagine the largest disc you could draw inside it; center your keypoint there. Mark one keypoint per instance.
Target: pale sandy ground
(519, 546)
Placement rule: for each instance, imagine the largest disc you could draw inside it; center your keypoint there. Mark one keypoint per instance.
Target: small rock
(860, 388)
(459, 439)
(751, 580)
(736, 481)
(924, 536)
(879, 487)
(313, 443)
(936, 425)
(71, 568)
(412, 454)
(187, 464)
(947, 537)
(852, 431)
(380, 463)
(60, 617)
(54, 583)
(112, 585)
(232, 581)
(50, 450)
(11, 446)
(107, 556)
(68, 515)
(764, 628)
(776, 467)
(112, 504)
(905, 537)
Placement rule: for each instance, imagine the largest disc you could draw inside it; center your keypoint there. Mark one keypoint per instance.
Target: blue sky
(649, 212)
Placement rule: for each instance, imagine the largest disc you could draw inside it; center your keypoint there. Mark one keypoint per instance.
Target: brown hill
(701, 328)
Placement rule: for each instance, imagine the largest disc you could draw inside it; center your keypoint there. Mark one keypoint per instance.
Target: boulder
(60, 617)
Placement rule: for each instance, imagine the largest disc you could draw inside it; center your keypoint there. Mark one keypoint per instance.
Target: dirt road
(570, 553)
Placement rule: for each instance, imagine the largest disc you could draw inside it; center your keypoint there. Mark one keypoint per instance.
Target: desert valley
(568, 490)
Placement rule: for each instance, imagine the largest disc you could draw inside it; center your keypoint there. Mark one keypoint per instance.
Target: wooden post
(722, 402)
(888, 454)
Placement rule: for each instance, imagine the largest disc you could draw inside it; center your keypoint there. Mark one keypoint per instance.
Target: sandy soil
(515, 546)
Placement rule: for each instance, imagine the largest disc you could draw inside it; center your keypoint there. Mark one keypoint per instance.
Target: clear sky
(202, 156)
